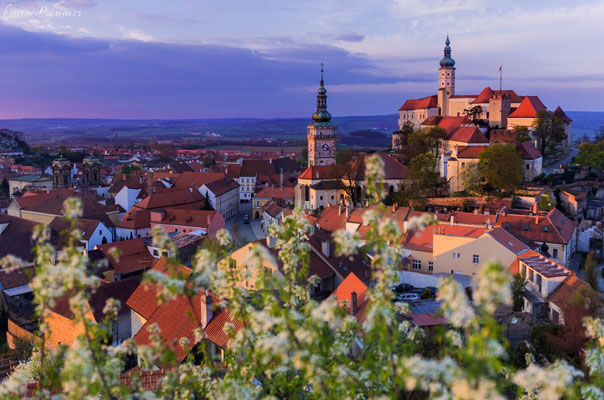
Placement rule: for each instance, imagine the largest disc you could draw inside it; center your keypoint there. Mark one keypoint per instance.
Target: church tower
(446, 79)
(321, 134)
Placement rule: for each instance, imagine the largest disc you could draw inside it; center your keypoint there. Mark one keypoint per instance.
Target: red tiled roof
(118, 290)
(419, 104)
(215, 329)
(134, 256)
(470, 151)
(459, 231)
(421, 240)
(527, 151)
(343, 295)
(285, 193)
(317, 172)
(177, 216)
(135, 219)
(467, 134)
(221, 186)
(172, 198)
(508, 240)
(562, 115)
(144, 299)
(552, 228)
(428, 320)
(528, 108)
(451, 123)
(190, 179)
(487, 93)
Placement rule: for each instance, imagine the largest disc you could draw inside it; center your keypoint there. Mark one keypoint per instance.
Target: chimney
(325, 248)
(535, 208)
(393, 208)
(452, 219)
(281, 179)
(206, 309)
(354, 307)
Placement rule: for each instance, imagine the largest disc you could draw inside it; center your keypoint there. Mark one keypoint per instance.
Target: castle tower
(91, 170)
(61, 172)
(322, 135)
(446, 79)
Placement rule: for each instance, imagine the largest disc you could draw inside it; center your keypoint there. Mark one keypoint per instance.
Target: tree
(352, 175)
(522, 134)
(548, 129)
(472, 178)
(280, 342)
(591, 155)
(5, 187)
(474, 113)
(304, 157)
(502, 167)
(402, 135)
(546, 203)
(518, 287)
(425, 140)
(590, 266)
(207, 204)
(130, 168)
(208, 161)
(424, 173)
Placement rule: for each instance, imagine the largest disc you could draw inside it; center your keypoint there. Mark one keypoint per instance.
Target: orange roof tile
(528, 108)
(419, 104)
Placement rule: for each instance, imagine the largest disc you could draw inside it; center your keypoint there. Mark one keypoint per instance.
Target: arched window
(65, 178)
(306, 193)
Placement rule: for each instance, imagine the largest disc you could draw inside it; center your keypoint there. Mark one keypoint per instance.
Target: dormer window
(546, 229)
(526, 227)
(507, 225)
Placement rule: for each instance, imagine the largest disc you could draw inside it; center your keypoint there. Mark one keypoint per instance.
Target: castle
(501, 109)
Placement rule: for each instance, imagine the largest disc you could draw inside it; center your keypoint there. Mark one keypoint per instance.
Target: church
(323, 184)
(500, 109)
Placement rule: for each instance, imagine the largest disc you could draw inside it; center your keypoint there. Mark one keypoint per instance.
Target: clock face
(326, 147)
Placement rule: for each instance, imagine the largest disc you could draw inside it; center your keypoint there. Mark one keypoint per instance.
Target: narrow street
(243, 233)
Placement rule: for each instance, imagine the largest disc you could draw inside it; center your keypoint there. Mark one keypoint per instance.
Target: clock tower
(321, 134)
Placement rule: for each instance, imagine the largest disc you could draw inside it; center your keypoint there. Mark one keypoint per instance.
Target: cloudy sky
(261, 58)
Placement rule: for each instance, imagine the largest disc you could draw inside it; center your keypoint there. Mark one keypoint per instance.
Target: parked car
(403, 288)
(433, 289)
(408, 297)
(246, 219)
(419, 291)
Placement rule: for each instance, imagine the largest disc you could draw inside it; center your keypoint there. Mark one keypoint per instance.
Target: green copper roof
(321, 116)
(447, 61)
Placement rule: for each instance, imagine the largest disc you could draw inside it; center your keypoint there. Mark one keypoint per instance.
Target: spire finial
(321, 74)
(447, 42)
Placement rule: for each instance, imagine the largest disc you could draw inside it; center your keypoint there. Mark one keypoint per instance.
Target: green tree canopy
(549, 131)
(424, 173)
(501, 165)
(425, 140)
(472, 178)
(522, 134)
(591, 155)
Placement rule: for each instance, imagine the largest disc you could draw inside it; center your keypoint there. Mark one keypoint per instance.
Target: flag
(501, 66)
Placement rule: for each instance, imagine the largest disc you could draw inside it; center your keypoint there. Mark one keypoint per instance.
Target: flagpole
(500, 77)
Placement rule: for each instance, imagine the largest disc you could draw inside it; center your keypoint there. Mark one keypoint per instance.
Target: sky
(261, 58)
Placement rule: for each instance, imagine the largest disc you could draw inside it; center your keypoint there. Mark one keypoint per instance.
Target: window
(528, 166)
(430, 266)
(155, 253)
(531, 275)
(175, 229)
(416, 264)
(555, 253)
(475, 258)
(320, 197)
(100, 232)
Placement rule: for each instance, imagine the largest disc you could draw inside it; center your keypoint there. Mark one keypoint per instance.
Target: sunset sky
(231, 58)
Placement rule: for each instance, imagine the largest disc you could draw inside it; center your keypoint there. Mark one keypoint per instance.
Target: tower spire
(447, 61)
(321, 115)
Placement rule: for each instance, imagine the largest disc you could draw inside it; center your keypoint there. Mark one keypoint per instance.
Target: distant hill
(66, 130)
